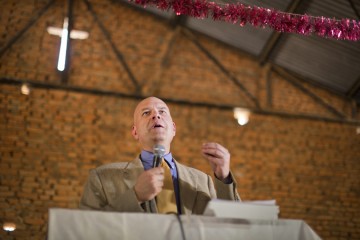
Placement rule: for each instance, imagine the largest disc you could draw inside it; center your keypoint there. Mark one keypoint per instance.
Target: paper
(244, 210)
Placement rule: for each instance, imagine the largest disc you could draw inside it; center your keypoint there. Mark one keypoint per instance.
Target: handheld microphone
(159, 152)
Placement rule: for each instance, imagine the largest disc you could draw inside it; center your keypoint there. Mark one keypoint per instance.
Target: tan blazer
(111, 188)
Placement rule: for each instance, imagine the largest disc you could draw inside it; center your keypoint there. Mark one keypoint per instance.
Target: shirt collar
(147, 159)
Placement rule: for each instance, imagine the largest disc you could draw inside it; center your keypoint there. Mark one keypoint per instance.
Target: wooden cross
(64, 34)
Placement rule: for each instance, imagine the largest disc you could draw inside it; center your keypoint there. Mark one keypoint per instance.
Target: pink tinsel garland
(344, 29)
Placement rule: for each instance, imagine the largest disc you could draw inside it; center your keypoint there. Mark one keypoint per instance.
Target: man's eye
(162, 111)
(145, 113)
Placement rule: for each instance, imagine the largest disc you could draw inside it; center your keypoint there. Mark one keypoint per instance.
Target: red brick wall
(51, 138)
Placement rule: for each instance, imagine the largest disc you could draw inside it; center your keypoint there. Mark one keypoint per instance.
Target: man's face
(153, 124)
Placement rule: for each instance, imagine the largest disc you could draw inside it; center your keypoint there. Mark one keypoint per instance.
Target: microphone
(159, 152)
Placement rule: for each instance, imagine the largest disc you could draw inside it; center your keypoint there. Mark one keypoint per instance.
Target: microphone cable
(181, 225)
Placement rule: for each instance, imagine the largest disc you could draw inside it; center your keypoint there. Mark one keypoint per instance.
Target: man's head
(153, 124)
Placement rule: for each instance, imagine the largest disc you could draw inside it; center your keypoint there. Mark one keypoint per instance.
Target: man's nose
(156, 115)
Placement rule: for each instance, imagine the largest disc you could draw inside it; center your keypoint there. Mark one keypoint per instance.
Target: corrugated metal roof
(335, 64)
(247, 38)
(326, 61)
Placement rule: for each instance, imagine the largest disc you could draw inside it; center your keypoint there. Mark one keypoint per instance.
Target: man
(134, 186)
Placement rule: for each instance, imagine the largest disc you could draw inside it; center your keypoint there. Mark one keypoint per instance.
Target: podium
(84, 224)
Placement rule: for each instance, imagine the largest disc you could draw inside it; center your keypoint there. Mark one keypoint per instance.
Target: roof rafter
(98, 92)
(32, 21)
(117, 52)
(231, 76)
(275, 36)
(289, 78)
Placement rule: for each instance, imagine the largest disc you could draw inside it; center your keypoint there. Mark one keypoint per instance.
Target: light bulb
(9, 226)
(25, 89)
(241, 115)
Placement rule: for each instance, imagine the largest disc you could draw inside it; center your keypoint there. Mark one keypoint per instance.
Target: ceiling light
(63, 46)
(64, 34)
(9, 226)
(25, 89)
(241, 115)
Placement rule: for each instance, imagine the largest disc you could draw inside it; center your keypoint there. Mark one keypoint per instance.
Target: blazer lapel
(187, 188)
(132, 172)
(187, 185)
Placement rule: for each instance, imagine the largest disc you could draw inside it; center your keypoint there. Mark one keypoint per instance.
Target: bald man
(133, 186)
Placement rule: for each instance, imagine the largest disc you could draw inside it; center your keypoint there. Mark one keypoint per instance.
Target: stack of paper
(245, 210)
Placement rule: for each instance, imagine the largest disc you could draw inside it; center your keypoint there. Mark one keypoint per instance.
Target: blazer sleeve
(227, 191)
(96, 196)
(93, 195)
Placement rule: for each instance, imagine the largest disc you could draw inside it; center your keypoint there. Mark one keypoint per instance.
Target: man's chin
(158, 140)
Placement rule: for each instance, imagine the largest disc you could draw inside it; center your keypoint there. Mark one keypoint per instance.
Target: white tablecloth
(80, 224)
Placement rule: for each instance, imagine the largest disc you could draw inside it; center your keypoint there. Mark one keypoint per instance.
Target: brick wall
(52, 137)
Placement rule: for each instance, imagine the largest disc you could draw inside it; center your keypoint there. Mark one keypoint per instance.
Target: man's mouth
(158, 126)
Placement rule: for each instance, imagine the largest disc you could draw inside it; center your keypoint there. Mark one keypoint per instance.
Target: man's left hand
(219, 159)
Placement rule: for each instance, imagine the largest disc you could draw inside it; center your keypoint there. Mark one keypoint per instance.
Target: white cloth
(84, 224)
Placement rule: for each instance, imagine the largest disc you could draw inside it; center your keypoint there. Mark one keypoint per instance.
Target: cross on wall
(64, 34)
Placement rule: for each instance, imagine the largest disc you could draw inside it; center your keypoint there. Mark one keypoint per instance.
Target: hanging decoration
(344, 29)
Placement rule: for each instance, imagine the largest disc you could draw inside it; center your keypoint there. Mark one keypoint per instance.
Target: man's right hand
(149, 184)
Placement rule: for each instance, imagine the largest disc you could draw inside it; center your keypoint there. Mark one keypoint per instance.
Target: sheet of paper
(244, 210)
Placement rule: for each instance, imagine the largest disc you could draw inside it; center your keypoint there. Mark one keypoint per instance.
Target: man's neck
(151, 148)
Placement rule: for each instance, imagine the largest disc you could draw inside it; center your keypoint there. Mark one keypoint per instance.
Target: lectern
(83, 224)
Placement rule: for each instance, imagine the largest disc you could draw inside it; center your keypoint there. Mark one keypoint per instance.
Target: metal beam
(165, 60)
(32, 21)
(176, 20)
(97, 92)
(166, 54)
(220, 66)
(354, 88)
(275, 36)
(352, 4)
(117, 52)
(269, 91)
(289, 78)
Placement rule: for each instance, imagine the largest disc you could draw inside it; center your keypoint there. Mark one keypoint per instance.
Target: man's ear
(174, 128)
(134, 133)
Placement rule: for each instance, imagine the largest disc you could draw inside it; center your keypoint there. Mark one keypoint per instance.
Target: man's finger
(214, 148)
